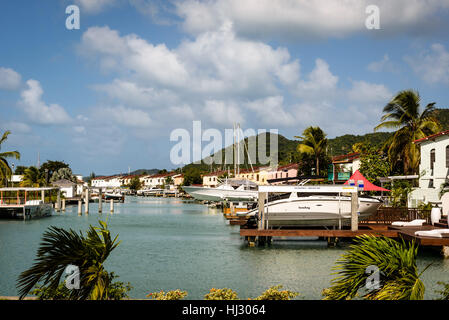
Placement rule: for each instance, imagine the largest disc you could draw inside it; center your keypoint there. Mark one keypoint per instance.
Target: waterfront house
(178, 179)
(68, 188)
(107, 182)
(158, 180)
(343, 166)
(282, 172)
(433, 168)
(211, 180)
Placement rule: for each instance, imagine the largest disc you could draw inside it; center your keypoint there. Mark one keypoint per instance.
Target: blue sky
(107, 96)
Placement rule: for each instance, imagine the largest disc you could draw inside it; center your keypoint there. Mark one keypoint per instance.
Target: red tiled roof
(161, 175)
(216, 173)
(288, 166)
(347, 157)
(431, 137)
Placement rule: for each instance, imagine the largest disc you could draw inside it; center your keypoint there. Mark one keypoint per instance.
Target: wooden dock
(263, 236)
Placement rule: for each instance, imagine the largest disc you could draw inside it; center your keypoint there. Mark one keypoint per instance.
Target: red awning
(367, 186)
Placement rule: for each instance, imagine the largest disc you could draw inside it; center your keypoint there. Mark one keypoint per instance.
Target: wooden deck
(406, 233)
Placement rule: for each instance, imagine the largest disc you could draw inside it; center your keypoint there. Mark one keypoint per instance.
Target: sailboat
(230, 189)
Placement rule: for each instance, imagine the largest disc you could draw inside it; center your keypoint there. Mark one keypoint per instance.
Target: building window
(431, 183)
(447, 157)
(432, 160)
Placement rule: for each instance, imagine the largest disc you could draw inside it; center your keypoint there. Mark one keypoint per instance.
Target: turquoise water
(169, 244)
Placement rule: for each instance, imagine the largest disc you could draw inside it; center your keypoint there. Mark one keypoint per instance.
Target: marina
(224, 150)
(170, 243)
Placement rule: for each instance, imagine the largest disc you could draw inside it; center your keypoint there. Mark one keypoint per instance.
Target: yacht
(296, 209)
(230, 190)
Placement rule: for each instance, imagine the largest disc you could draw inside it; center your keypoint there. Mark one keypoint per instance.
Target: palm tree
(403, 113)
(5, 169)
(60, 248)
(396, 263)
(32, 177)
(314, 143)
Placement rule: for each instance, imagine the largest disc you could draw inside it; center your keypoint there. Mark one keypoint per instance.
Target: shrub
(170, 295)
(273, 293)
(116, 290)
(221, 294)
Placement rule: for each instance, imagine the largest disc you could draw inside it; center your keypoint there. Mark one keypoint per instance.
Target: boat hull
(215, 194)
(316, 211)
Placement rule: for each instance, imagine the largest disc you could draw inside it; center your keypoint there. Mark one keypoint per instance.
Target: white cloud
(9, 79)
(214, 63)
(37, 110)
(433, 65)
(94, 6)
(270, 111)
(17, 127)
(366, 92)
(304, 18)
(127, 117)
(223, 113)
(132, 94)
(385, 64)
(320, 82)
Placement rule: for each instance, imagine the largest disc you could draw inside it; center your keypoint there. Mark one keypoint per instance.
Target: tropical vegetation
(373, 162)
(313, 142)
(5, 168)
(274, 293)
(221, 294)
(32, 177)
(397, 272)
(60, 248)
(404, 114)
(170, 295)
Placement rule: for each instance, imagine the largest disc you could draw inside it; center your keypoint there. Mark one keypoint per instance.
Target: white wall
(439, 175)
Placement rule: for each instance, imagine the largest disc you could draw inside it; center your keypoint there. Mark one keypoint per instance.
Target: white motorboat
(149, 192)
(114, 195)
(296, 209)
(230, 190)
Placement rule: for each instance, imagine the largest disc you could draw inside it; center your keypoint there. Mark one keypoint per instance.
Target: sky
(105, 98)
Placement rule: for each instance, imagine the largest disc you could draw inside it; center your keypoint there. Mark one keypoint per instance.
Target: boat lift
(340, 189)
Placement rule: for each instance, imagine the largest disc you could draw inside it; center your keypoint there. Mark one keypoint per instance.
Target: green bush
(116, 290)
(273, 293)
(170, 295)
(221, 294)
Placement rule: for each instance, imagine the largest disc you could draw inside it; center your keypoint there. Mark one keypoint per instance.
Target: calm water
(170, 244)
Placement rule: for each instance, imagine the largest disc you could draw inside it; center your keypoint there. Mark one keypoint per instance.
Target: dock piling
(86, 202)
(80, 204)
(354, 207)
(58, 201)
(112, 205)
(100, 201)
(63, 205)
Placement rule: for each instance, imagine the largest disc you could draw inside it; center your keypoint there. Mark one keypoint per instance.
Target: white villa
(433, 169)
(107, 182)
(157, 180)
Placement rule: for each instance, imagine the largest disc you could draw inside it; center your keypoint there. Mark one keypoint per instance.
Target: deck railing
(387, 215)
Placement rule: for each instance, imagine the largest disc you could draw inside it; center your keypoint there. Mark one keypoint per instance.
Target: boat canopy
(239, 182)
(367, 186)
